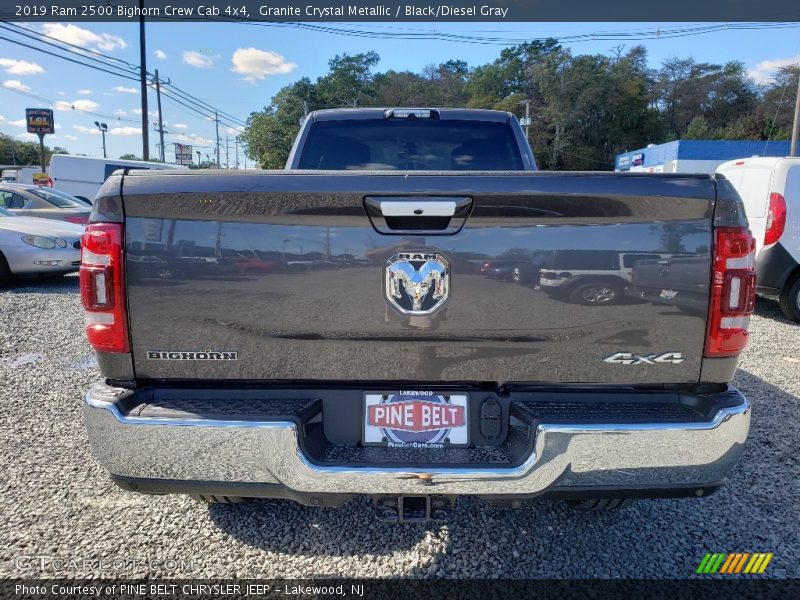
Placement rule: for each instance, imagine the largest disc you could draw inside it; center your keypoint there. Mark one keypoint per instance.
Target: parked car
(770, 190)
(37, 201)
(31, 246)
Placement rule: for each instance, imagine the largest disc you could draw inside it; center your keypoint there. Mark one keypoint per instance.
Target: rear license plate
(416, 419)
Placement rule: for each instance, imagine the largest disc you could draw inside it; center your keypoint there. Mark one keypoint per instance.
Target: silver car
(37, 201)
(30, 246)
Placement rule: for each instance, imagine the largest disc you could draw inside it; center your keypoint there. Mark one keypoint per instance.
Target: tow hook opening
(413, 509)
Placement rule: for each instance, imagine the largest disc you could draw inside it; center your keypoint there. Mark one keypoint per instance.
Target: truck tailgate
(285, 276)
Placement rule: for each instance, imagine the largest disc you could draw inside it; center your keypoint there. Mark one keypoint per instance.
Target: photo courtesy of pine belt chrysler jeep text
(333, 329)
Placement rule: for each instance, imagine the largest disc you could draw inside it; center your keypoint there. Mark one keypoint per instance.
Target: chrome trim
(565, 455)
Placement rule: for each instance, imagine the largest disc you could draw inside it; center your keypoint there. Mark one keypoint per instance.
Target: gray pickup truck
(331, 330)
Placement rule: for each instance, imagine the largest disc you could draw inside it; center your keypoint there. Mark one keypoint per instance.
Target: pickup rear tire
(597, 504)
(209, 499)
(790, 299)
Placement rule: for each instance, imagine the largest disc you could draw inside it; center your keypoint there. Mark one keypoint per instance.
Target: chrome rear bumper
(564, 456)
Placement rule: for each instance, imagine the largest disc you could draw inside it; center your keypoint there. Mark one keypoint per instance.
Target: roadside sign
(39, 120)
(40, 179)
(183, 154)
(524, 121)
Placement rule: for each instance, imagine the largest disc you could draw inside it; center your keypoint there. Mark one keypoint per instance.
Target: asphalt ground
(58, 505)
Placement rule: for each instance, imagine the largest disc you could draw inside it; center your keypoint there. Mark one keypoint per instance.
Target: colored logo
(416, 419)
(734, 563)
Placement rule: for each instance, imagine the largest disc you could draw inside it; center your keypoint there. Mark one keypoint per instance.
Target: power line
(67, 58)
(86, 53)
(118, 71)
(166, 93)
(64, 103)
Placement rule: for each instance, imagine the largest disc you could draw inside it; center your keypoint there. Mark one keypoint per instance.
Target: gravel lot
(55, 501)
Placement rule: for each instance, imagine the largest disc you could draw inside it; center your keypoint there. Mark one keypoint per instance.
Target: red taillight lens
(77, 220)
(103, 287)
(776, 218)
(733, 292)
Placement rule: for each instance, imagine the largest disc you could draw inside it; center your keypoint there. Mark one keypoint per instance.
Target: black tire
(210, 499)
(5, 273)
(596, 293)
(598, 504)
(790, 299)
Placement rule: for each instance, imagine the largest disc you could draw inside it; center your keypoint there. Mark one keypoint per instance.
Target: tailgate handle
(431, 215)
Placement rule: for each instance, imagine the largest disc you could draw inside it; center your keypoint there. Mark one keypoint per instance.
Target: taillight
(77, 220)
(103, 287)
(776, 218)
(733, 291)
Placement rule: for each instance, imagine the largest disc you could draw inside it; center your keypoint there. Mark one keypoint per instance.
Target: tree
(698, 129)
(686, 89)
(60, 150)
(16, 152)
(349, 81)
(129, 156)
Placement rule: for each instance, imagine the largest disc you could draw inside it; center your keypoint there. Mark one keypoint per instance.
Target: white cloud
(16, 84)
(27, 136)
(84, 129)
(256, 64)
(180, 126)
(83, 105)
(57, 126)
(71, 138)
(765, 71)
(138, 111)
(126, 131)
(192, 138)
(196, 59)
(232, 130)
(160, 54)
(125, 90)
(119, 112)
(78, 36)
(18, 123)
(20, 67)
(84, 92)
(2, 119)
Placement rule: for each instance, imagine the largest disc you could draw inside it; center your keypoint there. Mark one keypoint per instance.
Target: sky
(238, 67)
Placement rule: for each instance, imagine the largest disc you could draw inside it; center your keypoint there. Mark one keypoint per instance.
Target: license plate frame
(424, 419)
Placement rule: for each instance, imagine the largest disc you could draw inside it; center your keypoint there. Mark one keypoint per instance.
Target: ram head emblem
(417, 283)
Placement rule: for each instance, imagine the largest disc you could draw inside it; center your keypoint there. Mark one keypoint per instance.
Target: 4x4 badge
(628, 358)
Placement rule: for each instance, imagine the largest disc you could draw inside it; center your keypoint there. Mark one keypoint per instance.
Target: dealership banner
(397, 589)
(294, 11)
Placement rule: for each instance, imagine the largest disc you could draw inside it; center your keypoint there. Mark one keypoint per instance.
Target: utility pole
(160, 129)
(216, 120)
(527, 104)
(236, 140)
(796, 123)
(227, 154)
(143, 81)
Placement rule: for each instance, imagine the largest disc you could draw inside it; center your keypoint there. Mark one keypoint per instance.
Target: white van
(82, 176)
(770, 189)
